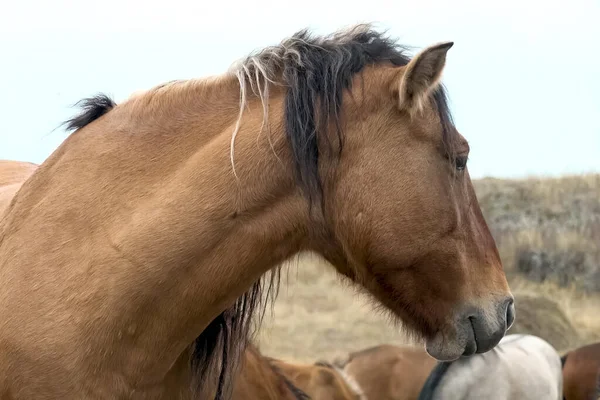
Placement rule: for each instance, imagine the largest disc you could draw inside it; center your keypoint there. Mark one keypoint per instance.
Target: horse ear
(422, 75)
(325, 377)
(322, 363)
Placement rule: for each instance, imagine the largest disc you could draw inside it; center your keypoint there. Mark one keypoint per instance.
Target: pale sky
(523, 76)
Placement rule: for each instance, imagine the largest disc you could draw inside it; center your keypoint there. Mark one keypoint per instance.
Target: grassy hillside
(547, 229)
(548, 234)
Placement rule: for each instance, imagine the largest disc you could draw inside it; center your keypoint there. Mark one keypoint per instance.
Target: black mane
(221, 345)
(317, 71)
(92, 108)
(315, 93)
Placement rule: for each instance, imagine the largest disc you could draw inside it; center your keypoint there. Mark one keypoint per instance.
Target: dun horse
(523, 367)
(132, 260)
(581, 373)
(388, 372)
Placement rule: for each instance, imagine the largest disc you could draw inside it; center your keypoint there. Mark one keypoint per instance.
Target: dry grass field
(548, 234)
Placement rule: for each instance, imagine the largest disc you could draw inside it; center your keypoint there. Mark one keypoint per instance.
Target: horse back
(12, 176)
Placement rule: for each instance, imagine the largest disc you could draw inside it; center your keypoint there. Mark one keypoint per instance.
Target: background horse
(150, 228)
(581, 373)
(523, 367)
(321, 381)
(257, 379)
(12, 176)
(388, 372)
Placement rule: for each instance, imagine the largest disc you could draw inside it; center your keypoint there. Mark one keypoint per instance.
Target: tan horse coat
(321, 382)
(150, 228)
(257, 379)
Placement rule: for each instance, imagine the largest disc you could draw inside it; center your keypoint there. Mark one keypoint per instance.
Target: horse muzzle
(476, 330)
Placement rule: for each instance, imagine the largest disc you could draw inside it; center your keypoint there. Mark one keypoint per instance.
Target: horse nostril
(510, 313)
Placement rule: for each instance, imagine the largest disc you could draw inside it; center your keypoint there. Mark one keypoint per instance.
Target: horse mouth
(471, 346)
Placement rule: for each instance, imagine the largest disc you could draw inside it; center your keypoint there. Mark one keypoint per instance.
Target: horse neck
(225, 229)
(177, 235)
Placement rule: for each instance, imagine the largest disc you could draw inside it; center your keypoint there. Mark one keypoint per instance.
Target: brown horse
(321, 381)
(257, 378)
(581, 373)
(12, 176)
(388, 372)
(149, 229)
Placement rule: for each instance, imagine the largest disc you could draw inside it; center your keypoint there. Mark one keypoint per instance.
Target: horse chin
(473, 330)
(450, 346)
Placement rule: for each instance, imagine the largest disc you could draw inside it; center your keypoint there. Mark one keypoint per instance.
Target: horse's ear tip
(341, 360)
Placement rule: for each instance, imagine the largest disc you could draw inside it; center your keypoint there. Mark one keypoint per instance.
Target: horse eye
(460, 163)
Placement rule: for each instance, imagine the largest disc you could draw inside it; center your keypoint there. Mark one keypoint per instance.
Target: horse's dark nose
(510, 313)
(488, 329)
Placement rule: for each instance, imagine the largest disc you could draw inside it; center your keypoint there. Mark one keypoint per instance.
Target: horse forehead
(372, 86)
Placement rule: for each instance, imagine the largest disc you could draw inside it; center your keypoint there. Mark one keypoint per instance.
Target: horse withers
(150, 228)
(523, 367)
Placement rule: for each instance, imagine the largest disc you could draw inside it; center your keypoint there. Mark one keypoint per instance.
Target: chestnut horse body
(150, 228)
(581, 373)
(388, 372)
